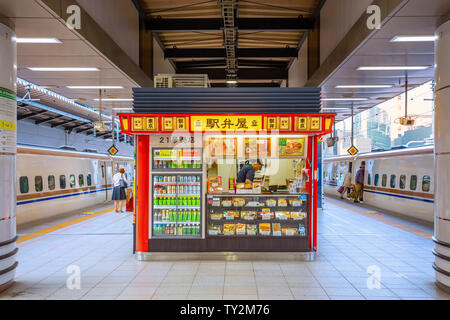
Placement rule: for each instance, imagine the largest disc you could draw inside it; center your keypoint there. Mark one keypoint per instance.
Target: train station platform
(357, 246)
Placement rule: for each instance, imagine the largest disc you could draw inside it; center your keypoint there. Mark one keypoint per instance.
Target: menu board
(257, 147)
(219, 146)
(291, 146)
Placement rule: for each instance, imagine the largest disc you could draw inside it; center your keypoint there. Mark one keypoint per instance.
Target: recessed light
(345, 99)
(37, 40)
(95, 87)
(114, 99)
(357, 86)
(67, 69)
(393, 68)
(414, 39)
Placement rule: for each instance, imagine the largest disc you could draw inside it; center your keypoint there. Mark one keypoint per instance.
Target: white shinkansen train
(52, 182)
(399, 181)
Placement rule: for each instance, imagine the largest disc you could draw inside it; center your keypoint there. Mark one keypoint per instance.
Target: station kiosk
(188, 199)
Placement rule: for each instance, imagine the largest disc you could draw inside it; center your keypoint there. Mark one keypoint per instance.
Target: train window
(377, 178)
(62, 181)
(369, 179)
(72, 181)
(426, 184)
(393, 181)
(23, 182)
(402, 181)
(413, 183)
(81, 180)
(38, 185)
(51, 182)
(89, 179)
(384, 180)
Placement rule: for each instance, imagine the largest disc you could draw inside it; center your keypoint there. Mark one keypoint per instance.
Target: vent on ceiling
(182, 81)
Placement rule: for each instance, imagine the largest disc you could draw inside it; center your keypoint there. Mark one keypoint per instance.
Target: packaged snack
(264, 229)
(282, 215)
(215, 216)
(240, 186)
(214, 230)
(214, 185)
(282, 203)
(238, 202)
(298, 215)
(276, 229)
(216, 202)
(296, 203)
(226, 203)
(230, 215)
(302, 230)
(232, 186)
(229, 229)
(289, 231)
(240, 229)
(252, 229)
(253, 204)
(266, 214)
(248, 215)
(271, 203)
(257, 187)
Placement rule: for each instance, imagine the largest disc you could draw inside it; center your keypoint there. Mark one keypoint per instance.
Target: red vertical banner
(143, 193)
(309, 185)
(315, 188)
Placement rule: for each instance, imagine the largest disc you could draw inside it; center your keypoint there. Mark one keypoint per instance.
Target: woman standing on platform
(120, 183)
(347, 183)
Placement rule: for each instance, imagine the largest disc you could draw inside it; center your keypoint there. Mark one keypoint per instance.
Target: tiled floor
(349, 244)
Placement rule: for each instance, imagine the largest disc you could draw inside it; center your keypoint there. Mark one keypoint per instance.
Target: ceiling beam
(248, 85)
(47, 120)
(243, 74)
(31, 115)
(63, 123)
(241, 53)
(222, 63)
(216, 24)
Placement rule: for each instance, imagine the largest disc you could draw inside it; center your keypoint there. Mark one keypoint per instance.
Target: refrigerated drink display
(179, 159)
(177, 205)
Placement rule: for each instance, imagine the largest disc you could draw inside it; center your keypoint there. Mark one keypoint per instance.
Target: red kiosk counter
(187, 198)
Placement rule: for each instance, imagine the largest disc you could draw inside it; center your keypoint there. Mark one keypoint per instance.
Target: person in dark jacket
(247, 173)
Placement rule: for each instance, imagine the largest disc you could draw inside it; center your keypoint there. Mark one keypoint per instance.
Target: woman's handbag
(341, 189)
(123, 184)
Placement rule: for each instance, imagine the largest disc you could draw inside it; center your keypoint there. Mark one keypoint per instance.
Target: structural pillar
(8, 125)
(442, 157)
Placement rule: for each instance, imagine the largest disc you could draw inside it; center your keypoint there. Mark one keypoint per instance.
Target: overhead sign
(226, 123)
(113, 150)
(353, 150)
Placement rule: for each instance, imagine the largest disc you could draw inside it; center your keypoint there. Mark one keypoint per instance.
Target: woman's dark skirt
(119, 193)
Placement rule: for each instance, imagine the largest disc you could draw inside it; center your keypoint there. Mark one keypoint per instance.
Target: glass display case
(176, 205)
(257, 215)
(168, 159)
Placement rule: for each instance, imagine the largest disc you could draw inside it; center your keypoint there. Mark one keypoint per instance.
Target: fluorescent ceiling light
(393, 68)
(37, 40)
(364, 86)
(338, 108)
(95, 87)
(345, 99)
(232, 81)
(113, 99)
(70, 69)
(413, 39)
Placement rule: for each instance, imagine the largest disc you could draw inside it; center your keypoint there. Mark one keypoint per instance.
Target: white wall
(298, 72)
(160, 65)
(120, 20)
(44, 136)
(336, 19)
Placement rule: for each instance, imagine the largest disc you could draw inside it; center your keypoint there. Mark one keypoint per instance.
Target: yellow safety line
(61, 226)
(399, 225)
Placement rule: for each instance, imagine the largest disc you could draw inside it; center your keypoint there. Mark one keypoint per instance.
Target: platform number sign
(353, 150)
(113, 150)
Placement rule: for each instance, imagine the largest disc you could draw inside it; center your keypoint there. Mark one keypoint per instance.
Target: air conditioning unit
(182, 81)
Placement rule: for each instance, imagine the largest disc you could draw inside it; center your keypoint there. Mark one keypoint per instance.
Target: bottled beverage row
(175, 164)
(177, 230)
(174, 179)
(180, 189)
(180, 216)
(160, 200)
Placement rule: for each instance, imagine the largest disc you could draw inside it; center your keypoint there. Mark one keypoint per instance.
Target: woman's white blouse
(116, 179)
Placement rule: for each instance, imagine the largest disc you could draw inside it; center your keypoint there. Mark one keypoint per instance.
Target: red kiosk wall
(143, 191)
(309, 185)
(315, 181)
